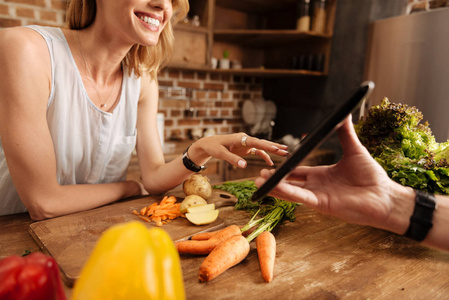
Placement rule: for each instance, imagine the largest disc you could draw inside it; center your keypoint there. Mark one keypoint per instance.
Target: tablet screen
(313, 139)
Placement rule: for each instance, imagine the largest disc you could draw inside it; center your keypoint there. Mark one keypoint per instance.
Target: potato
(197, 185)
(202, 218)
(201, 208)
(191, 201)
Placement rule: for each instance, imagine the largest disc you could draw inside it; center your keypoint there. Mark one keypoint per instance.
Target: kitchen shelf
(260, 72)
(268, 72)
(261, 35)
(192, 28)
(257, 6)
(267, 38)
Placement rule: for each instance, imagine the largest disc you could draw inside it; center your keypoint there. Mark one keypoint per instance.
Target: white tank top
(91, 146)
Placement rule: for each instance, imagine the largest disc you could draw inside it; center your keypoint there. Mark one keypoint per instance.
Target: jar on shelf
(303, 20)
(319, 16)
(196, 21)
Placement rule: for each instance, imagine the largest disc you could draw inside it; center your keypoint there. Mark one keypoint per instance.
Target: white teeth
(150, 21)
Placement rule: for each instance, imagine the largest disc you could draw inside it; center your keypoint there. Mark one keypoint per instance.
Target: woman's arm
(24, 91)
(358, 190)
(159, 177)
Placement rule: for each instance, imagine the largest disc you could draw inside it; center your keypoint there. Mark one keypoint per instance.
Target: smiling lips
(150, 21)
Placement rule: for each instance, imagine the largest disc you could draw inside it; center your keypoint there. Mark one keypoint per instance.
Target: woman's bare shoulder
(22, 44)
(23, 35)
(25, 61)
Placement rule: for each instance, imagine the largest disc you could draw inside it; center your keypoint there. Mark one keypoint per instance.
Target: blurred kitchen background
(275, 68)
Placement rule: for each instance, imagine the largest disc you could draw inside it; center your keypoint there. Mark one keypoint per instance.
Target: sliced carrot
(226, 255)
(164, 206)
(161, 212)
(166, 212)
(163, 199)
(151, 208)
(145, 218)
(152, 205)
(266, 250)
(171, 199)
(143, 211)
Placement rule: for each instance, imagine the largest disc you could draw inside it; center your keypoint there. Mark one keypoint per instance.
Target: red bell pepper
(33, 277)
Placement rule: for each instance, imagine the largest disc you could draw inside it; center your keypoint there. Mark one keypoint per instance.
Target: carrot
(157, 220)
(161, 213)
(226, 255)
(266, 250)
(208, 234)
(203, 235)
(143, 211)
(166, 199)
(144, 218)
(226, 232)
(150, 209)
(206, 246)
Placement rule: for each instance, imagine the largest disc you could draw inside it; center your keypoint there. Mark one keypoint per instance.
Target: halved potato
(202, 218)
(200, 208)
(191, 201)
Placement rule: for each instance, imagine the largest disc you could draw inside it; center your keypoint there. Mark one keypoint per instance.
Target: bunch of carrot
(162, 213)
(228, 247)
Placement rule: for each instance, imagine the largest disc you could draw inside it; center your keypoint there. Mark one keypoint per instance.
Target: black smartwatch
(421, 220)
(189, 164)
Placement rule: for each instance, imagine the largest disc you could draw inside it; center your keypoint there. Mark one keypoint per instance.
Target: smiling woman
(91, 98)
(82, 13)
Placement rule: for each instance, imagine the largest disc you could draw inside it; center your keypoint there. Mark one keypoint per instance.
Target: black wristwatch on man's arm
(421, 219)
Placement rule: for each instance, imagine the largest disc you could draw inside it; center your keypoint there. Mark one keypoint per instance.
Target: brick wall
(26, 12)
(216, 99)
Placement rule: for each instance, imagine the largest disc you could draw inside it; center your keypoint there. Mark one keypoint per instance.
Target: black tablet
(313, 139)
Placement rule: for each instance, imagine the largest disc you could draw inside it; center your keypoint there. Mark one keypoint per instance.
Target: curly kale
(404, 147)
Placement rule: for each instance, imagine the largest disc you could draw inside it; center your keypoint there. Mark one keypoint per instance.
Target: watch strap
(421, 219)
(189, 164)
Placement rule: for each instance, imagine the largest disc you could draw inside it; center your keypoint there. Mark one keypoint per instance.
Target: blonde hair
(140, 59)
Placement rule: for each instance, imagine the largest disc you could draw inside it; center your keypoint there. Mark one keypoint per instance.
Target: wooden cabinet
(193, 43)
(261, 35)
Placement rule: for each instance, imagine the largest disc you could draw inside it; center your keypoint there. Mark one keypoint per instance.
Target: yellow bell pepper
(131, 261)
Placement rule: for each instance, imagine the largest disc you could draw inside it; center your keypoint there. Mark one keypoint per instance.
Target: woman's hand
(356, 189)
(233, 147)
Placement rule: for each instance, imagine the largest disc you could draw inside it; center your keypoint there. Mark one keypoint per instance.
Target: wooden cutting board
(70, 239)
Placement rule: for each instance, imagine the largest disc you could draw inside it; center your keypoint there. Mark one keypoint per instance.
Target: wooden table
(318, 257)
